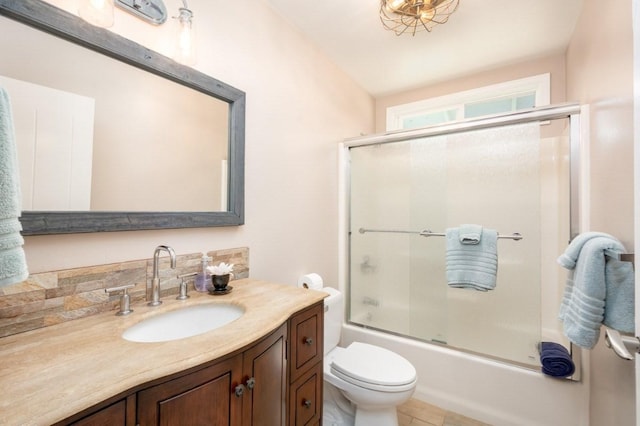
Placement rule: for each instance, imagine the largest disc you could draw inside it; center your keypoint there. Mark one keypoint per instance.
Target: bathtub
(484, 389)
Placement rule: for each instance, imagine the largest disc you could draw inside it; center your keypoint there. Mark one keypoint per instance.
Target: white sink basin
(184, 322)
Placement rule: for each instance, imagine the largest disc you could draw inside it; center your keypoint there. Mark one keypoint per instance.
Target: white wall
(299, 106)
(600, 73)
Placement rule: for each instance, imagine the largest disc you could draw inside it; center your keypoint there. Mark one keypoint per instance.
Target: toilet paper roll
(312, 281)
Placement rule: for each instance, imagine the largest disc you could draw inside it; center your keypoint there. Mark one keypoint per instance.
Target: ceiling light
(411, 16)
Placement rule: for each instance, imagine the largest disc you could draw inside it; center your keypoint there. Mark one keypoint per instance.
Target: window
(500, 98)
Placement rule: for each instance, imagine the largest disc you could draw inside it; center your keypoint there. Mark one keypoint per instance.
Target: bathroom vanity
(263, 368)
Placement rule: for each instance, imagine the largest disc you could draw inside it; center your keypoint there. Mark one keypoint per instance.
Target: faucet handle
(183, 285)
(125, 299)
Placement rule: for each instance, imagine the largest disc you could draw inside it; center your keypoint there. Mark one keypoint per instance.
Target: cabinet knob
(308, 341)
(306, 403)
(239, 390)
(251, 382)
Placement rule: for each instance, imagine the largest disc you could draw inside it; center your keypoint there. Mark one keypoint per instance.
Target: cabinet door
(204, 397)
(114, 414)
(265, 379)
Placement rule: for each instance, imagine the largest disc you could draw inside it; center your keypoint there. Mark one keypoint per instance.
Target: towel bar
(623, 346)
(628, 257)
(623, 257)
(428, 233)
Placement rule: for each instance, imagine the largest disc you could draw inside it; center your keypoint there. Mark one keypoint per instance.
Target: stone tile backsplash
(50, 298)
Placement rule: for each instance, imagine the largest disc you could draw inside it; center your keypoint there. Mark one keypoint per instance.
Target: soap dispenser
(203, 279)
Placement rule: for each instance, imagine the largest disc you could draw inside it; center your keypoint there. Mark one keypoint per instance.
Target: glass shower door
(503, 178)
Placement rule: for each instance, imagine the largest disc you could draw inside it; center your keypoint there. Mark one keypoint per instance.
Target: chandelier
(411, 16)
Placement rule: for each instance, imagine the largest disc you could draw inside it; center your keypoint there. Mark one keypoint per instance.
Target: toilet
(363, 383)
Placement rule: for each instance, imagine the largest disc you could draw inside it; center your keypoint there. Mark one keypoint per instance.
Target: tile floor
(418, 413)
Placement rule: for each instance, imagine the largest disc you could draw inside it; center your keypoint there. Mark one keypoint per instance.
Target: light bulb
(395, 5)
(427, 14)
(185, 46)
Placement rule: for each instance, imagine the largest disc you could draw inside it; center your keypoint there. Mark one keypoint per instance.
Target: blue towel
(13, 264)
(472, 266)
(598, 289)
(555, 360)
(570, 256)
(470, 234)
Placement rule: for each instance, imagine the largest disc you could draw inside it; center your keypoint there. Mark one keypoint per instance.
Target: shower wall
(511, 179)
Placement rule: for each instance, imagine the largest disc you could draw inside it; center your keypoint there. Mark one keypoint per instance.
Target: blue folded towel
(472, 266)
(556, 360)
(13, 264)
(470, 234)
(598, 289)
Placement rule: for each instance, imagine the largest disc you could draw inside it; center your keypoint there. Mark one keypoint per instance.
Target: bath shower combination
(515, 179)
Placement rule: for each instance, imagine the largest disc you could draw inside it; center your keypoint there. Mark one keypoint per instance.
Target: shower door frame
(570, 111)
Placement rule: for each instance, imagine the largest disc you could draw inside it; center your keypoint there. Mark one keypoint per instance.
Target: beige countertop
(48, 374)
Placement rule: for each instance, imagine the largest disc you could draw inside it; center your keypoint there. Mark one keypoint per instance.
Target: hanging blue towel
(13, 264)
(472, 266)
(556, 360)
(570, 256)
(598, 291)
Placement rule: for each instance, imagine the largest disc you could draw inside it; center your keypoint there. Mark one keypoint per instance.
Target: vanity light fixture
(152, 11)
(185, 48)
(411, 16)
(97, 12)
(100, 14)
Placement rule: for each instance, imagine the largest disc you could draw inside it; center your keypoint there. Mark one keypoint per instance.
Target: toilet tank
(333, 318)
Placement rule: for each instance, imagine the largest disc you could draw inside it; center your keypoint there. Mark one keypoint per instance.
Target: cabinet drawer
(306, 340)
(305, 398)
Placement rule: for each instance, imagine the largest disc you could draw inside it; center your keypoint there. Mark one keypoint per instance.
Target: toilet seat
(374, 368)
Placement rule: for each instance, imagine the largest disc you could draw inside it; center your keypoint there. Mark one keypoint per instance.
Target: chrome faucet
(155, 282)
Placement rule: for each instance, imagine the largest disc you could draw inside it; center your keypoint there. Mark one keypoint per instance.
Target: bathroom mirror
(200, 129)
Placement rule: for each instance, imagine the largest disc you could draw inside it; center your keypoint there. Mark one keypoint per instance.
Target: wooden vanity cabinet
(306, 347)
(247, 389)
(276, 381)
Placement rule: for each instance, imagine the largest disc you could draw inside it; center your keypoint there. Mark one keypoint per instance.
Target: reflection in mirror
(75, 143)
(98, 134)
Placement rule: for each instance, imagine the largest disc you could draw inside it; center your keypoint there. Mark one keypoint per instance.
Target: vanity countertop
(48, 374)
